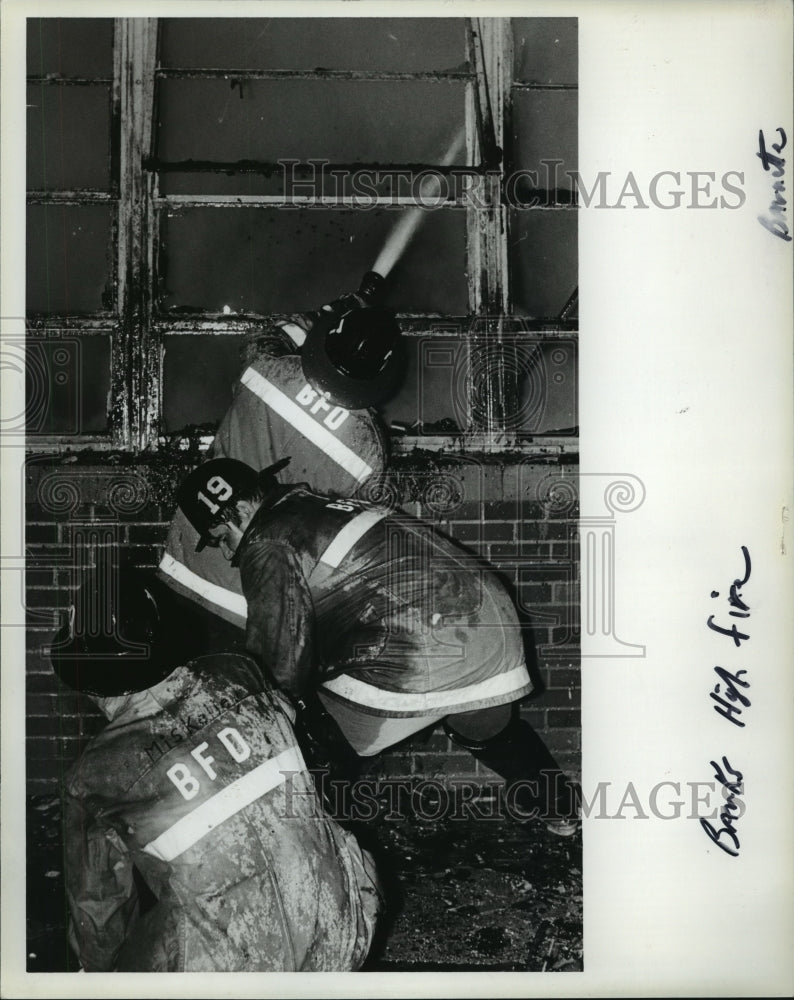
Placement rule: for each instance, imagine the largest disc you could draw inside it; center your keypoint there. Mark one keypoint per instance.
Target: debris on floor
(481, 894)
(464, 894)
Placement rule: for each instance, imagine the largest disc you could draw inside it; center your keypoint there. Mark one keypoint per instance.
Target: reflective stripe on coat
(275, 414)
(199, 785)
(381, 609)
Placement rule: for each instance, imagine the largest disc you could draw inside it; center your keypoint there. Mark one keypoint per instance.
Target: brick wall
(518, 513)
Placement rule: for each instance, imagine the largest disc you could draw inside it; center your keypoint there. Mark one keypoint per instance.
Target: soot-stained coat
(198, 784)
(275, 414)
(377, 607)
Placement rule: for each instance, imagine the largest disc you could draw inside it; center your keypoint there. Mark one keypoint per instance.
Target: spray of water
(403, 232)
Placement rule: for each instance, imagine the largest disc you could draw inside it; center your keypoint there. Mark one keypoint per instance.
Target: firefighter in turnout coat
(307, 395)
(395, 626)
(197, 784)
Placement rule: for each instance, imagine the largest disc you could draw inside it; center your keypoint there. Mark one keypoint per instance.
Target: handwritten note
(725, 836)
(730, 700)
(774, 163)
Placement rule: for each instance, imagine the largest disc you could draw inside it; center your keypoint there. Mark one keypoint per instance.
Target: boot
(321, 740)
(333, 763)
(535, 787)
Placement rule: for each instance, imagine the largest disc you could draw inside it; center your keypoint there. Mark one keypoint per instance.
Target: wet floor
(464, 894)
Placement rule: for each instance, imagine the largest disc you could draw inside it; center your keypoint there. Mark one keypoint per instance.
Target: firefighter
(308, 395)
(394, 626)
(191, 788)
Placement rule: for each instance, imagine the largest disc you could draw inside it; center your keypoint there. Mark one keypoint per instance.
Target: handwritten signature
(725, 836)
(776, 164)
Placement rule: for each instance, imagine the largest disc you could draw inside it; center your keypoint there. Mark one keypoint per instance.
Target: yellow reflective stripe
(349, 535)
(224, 804)
(362, 693)
(319, 435)
(211, 592)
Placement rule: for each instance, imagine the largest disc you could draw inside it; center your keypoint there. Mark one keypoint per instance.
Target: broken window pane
(68, 137)
(404, 45)
(67, 383)
(545, 383)
(542, 250)
(451, 384)
(271, 260)
(68, 253)
(343, 121)
(70, 46)
(432, 397)
(545, 49)
(198, 375)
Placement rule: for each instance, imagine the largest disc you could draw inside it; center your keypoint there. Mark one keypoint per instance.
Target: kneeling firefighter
(392, 626)
(192, 785)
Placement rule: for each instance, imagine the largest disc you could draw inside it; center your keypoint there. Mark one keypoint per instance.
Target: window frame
(137, 331)
(104, 322)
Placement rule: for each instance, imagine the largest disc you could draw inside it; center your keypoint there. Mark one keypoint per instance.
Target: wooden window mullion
(135, 359)
(490, 53)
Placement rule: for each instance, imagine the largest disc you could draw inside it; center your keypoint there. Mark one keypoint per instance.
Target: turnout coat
(275, 414)
(198, 784)
(398, 619)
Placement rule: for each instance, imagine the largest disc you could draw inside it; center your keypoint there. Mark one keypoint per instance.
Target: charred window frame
(118, 314)
(137, 328)
(506, 342)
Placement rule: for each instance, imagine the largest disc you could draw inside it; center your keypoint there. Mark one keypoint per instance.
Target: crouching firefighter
(192, 788)
(394, 626)
(309, 394)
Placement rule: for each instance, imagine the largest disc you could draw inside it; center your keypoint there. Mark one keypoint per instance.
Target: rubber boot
(333, 763)
(322, 742)
(535, 787)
